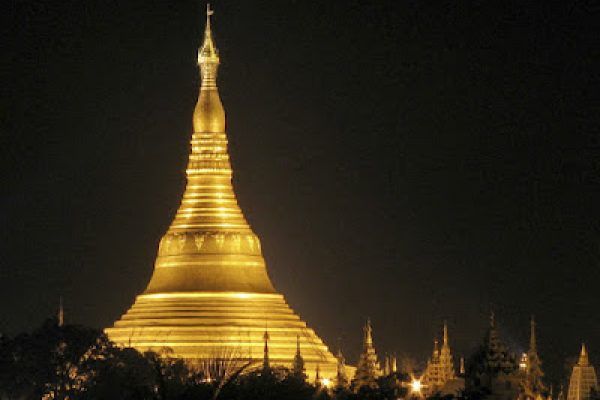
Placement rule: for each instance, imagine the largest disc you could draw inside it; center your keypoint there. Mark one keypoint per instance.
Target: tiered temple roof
(493, 369)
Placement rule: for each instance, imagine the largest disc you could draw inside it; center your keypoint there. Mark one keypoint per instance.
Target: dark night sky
(399, 160)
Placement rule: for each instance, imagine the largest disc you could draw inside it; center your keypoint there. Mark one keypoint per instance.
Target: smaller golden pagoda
(368, 368)
(439, 375)
(440, 367)
(583, 378)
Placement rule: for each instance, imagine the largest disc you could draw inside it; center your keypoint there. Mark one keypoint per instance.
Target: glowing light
(326, 382)
(524, 361)
(415, 386)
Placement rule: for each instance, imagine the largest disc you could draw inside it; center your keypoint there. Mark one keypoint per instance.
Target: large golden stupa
(210, 294)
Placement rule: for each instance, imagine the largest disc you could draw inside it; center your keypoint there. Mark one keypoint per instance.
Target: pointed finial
(298, 364)
(386, 364)
(583, 356)
(368, 332)
(209, 13)
(445, 342)
(61, 313)
(340, 357)
(462, 366)
(208, 55)
(532, 339)
(266, 364)
(208, 49)
(492, 320)
(266, 334)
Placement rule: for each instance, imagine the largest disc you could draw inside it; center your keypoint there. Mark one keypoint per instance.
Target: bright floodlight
(415, 385)
(326, 382)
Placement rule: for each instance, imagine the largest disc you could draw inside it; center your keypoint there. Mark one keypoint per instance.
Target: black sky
(399, 160)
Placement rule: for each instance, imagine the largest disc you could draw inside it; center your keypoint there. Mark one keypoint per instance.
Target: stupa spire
(583, 378)
(209, 245)
(298, 365)
(368, 368)
(208, 55)
(583, 356)
(61, 313)
(445, 334)
(368, 331)
(534, 385)
(532, 338)
(341, 376)
(266, 363)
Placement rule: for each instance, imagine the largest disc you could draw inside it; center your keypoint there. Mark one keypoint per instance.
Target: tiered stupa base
(201, 326)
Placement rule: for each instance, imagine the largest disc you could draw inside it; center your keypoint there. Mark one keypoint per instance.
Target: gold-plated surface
(210, 293)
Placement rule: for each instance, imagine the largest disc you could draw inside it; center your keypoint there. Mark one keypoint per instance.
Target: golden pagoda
(210, 296)
(440, 367)
(583, 378)
(367, 368)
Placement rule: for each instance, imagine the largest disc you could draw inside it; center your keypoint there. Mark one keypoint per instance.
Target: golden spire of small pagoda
(367, 368)
(583, 356)
(583, 378)
(445, 335)
(446, 358)
(266, 363)
(341, 376)
(440, 367)
(533, 384)
(61, 313)
(298, 364)
(208, 55)
(209, 115)
(368, 331)
(532, 339)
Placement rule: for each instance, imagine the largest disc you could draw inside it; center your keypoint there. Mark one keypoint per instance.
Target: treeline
(75, 362)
